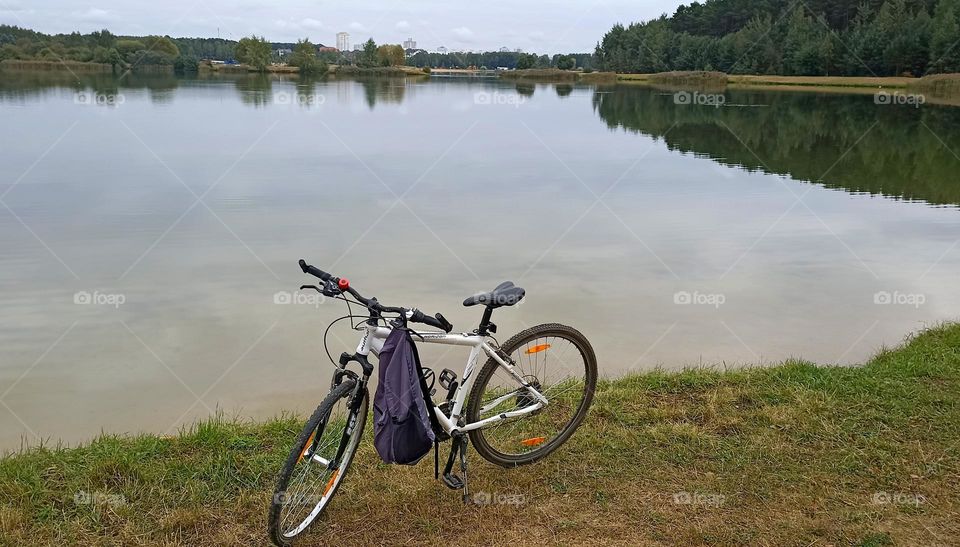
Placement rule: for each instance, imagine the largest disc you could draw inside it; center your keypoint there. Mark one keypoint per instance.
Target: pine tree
(945, 38)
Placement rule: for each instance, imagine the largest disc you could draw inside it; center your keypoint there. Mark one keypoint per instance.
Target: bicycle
(526, 400)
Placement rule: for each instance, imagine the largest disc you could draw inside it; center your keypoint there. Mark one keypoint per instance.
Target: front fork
(356, 403)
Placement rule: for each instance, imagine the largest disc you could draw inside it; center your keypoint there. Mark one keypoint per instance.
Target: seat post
(485, 321)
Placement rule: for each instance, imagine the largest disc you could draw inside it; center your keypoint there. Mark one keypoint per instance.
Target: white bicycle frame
(374, 336)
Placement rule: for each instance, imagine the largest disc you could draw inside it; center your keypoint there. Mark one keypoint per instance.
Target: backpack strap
(434, 422)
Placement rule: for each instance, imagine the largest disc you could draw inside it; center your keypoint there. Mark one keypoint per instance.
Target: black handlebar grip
(447, 326)
(437, 322)
(316, 272)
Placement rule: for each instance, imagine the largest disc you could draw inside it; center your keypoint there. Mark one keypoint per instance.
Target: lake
(150, 229)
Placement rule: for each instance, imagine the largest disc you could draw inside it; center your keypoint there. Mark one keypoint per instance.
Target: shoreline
(791, 453)
(754, 81)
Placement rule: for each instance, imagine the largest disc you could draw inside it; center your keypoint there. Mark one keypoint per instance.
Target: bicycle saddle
(506, 294)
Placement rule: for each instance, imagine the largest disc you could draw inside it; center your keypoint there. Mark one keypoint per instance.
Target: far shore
(939, 89)
(774, 81)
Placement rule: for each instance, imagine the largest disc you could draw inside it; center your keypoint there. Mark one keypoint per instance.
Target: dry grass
(944, 86)
(540, 75)
(791, 455)
(821, 81)
(347, 70)
(598, 77)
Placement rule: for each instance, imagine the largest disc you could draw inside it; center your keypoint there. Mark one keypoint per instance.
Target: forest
(792, 37)
(184, 53)
(105, 47)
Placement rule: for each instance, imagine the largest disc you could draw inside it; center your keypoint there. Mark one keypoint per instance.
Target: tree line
(504, 59)
(184, 54)
(810, 38)
(103, 46)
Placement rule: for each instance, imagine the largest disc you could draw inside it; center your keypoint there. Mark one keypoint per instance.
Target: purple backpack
(402, 423)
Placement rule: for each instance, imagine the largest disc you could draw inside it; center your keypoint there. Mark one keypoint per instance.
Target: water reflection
(255, 89)
(22, 86)
(896, 151)
(497, 184)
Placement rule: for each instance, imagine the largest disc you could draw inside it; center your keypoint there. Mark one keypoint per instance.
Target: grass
(540, 75)
(822, 81)
(557, 75)
(938, 84)
(346, 70)
(768, 81)
(794, 454)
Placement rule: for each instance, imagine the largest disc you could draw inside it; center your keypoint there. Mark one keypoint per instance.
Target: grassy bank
(555, 75)
(791, 455)
(938, 85)
(769, 81)
(347, 70)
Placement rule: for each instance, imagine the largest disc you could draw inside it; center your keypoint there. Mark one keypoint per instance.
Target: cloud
(463, 34)
(302, 25)
(94, 15)
(403, 25)
(357, 27)
(309, 23)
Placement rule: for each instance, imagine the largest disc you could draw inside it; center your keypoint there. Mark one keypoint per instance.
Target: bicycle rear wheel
(560, 363)
(317, 463)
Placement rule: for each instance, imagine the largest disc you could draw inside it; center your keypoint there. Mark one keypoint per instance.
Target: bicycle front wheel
(318, 462)
(560, 363)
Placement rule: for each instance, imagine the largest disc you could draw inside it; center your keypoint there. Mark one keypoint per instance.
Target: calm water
(788, 221)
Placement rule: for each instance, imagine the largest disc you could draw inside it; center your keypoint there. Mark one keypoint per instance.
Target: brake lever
(314, 287)
(331, 289)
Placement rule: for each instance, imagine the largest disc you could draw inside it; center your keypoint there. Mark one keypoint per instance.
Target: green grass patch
(793, 454)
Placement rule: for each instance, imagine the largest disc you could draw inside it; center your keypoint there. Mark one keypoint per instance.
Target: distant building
(357, 47)
(409, 43)
(284, 51)
(504, 49)
(327, 49)
(343, 41)
(441, 49)
(518, 50)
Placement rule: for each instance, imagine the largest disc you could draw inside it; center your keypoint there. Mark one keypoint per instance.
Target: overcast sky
(544, 26)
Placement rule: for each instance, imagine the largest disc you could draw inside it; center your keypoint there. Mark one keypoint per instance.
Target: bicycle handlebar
(316, 272)
(415, 315)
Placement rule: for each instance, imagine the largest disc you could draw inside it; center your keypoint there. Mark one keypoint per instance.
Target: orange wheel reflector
(533, 441)
(333, 479)
(538, 349)
(306, 447)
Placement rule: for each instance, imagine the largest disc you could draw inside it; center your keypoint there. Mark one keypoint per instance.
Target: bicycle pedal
(453, 482)
(447, 377)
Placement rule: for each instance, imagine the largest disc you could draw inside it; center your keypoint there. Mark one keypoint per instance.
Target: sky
(543, 26)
